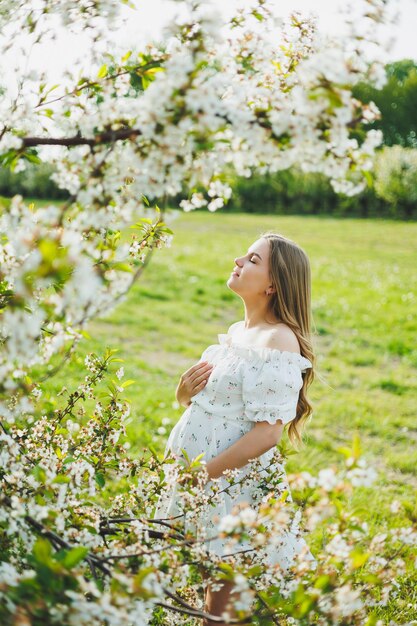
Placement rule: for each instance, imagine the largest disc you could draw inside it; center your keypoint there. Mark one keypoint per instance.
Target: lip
(235, 274)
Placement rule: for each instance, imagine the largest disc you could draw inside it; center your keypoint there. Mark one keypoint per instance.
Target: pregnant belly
(197, 433)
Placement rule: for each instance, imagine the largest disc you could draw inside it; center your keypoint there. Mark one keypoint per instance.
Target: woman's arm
(260, 439)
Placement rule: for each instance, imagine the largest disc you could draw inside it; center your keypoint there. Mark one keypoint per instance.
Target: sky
(150, 15)
(147, 21)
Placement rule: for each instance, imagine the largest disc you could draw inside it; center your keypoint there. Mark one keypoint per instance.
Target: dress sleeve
(209, 353)
(270, 391)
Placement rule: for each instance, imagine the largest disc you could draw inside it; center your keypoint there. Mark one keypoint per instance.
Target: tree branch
(109, 136)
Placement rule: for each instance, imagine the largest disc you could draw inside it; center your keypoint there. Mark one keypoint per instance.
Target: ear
(271, 289)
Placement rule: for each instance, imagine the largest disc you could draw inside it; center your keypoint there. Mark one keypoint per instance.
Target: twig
(128, 520)
(59, 542)
(265, 604)
(203, 614)
(93, 83)
(56, 540)
(62, 362)
(196, 613)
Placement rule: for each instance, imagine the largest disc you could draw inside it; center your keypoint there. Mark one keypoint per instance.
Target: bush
(34, 182)
(396, 178)
(289, 192)
(295, 192)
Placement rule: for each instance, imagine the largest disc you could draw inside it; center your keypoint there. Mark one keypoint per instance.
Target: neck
(257, 314)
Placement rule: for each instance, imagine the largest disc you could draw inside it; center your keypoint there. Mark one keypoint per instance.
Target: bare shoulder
(234, 327)
(281, 337)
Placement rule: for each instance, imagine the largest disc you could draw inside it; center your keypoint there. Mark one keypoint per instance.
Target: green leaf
(102, 71)
(39, 474)
(145, 82)
(323, 582)
(122, 267)
(100, 479)
(255, 571)
(368, 177)
(48, 249)
(358, 558)
(347, 452)
(283, 497)
(187, 458)
(356, 446)
(61, 431)
(42, 551)
(227, 570)
(61, 479)
(127, 383)
(153, 451)
(196, 461)
(74, 556)
(258, 15)
(32, 157)
(139, 579)
(154, 70)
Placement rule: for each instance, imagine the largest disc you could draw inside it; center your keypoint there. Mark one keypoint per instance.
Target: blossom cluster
(75, 553)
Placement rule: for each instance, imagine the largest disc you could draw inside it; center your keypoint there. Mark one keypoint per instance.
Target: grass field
(365, 312)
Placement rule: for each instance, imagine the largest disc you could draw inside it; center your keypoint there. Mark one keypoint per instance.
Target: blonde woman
(249, 386)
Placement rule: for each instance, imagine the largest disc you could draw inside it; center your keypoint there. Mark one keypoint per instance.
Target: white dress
(246, 385)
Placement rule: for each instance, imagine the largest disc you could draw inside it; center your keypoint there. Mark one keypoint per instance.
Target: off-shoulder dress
(246, 385)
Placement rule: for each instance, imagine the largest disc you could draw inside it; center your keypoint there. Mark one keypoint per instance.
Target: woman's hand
(192, 382)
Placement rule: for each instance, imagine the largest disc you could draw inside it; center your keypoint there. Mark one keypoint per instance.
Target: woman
(246, 388)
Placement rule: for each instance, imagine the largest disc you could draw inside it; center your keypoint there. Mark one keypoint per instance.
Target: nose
(237, 261)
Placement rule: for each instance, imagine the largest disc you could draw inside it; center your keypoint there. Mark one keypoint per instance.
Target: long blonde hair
(290, 274)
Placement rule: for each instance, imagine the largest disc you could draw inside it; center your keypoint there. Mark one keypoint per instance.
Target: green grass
(364, 308)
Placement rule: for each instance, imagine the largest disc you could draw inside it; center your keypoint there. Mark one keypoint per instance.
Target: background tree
(396, 177)
(397, 102)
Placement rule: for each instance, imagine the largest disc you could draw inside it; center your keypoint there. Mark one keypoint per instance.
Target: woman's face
(250, 276)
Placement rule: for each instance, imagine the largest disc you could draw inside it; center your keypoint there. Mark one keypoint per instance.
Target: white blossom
(348, 600)
(327, 479)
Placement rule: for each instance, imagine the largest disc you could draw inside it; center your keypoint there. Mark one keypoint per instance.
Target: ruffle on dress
(265, 354)
(271, 381)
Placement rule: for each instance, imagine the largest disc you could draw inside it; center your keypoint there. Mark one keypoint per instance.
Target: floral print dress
(246, 385)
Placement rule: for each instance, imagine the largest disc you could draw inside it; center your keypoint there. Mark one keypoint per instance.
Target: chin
(231, 283)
